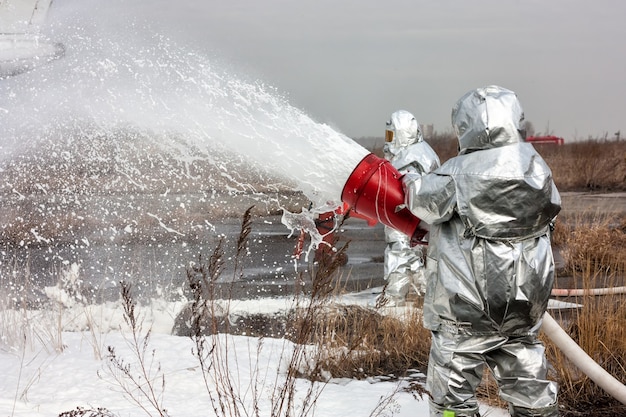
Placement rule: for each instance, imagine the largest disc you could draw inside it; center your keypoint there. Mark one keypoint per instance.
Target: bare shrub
(317, 329)
(353, 341)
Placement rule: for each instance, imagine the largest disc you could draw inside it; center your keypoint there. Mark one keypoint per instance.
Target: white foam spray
(129, 79)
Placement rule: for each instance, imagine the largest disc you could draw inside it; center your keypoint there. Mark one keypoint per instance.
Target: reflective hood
(405, 128)
(488, 117)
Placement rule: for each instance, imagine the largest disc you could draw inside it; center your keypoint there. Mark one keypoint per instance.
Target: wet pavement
(577, 203)
(160, 267)
(270, 269)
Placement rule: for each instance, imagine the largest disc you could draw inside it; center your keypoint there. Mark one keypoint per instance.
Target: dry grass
(587, 166)
(596, 246)
(360, 342)
(594, 249)
(302, 326)
(353, 341)
(592, 165)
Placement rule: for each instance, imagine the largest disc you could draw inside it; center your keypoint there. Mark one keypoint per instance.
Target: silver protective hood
(408, 152)
(405, 128)
(488, 117)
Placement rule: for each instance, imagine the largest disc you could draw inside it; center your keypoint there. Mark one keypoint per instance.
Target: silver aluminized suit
(489, 267)
(407, 152)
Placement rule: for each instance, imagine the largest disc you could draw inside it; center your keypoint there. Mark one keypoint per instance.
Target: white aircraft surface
(22, 47)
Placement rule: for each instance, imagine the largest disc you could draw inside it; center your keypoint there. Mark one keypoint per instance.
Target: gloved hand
(420, 235)
(409, 180)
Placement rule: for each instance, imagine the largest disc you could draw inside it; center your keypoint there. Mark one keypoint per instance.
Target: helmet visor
(388, 135)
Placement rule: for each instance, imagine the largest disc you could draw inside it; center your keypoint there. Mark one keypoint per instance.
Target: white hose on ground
(562, 292)
(583, 361)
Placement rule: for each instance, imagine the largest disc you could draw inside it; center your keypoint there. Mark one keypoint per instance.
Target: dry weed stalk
(227, 397)
(211, 355)
(303, 361)
(387, 405)
(143, 383)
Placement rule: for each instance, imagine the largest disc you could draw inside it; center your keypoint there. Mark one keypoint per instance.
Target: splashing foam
(182, 102)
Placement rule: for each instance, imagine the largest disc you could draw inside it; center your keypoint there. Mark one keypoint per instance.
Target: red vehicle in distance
(553, 140)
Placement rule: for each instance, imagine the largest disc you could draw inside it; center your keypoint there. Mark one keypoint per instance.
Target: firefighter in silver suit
(407, 151)
(489, 267)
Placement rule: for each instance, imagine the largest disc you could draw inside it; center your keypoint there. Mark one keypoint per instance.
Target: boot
(437, 410)
(549, 411)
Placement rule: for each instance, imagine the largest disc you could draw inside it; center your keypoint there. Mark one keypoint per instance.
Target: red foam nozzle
(374, 190)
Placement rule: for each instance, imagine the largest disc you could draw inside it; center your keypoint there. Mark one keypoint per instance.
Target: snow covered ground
(59, 370)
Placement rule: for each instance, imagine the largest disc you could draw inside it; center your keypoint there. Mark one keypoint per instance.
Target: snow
(58, 371)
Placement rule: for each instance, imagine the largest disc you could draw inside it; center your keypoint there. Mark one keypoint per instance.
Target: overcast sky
(351, 63)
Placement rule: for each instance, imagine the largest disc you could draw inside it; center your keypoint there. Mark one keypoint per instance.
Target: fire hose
(583, 361)
(374, 189)
(579, 292)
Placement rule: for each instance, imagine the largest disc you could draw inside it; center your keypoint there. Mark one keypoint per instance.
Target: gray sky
(351, 63)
